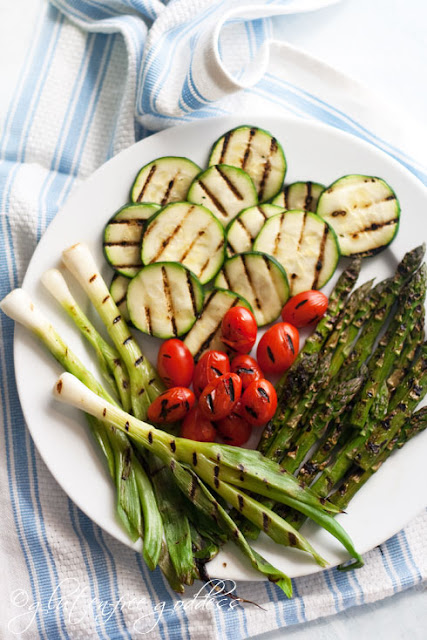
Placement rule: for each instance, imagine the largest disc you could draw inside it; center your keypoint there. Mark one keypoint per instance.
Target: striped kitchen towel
(98, 76)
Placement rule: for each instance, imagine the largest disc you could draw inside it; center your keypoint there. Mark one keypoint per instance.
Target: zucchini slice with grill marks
(260, 279)
(185, 233)
(224, 190)
(122, 237)
(363, 211)
(242, 231)
(206, 332)
(258, 153)
(304, 244)
(164, 299)
(118, 291)
(164, 180)
(299, 195)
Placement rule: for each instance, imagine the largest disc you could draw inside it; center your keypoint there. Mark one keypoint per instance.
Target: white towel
(99, 76)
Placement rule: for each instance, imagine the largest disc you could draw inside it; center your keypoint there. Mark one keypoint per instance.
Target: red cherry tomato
(247, 369)
(239, 329)
(175, 363)
(219, 398)
(305, 308)
(171, 405)
(278, 348)
(234, 429)
(196, 427)
(211, 365)
(259, 402)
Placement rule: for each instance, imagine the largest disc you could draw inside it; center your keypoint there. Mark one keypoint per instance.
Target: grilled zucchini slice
(258, 153)
(164, 300)
(185, 233)
(363, 211)
(118, 291)
(164, 180)
(260, 279)
(206, 332)
(304, 244)
(299, 195)
(122, 237)
(224, 190)
(242, 231)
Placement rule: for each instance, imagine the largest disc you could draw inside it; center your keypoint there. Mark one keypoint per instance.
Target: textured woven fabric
(98, 76)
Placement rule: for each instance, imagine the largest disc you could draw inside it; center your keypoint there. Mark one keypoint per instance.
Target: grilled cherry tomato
(278, 348)
(305, 308)
(234, 429)
(239, 329)
(196, 427)
(259, 402)
(220, 397)
(171, 405)
(211, 365)
(247, 369)
(175, 363)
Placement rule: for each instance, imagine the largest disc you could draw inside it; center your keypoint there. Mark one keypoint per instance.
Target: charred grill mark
(194, 458)
(167, 240)
(139, 361)
(217, 203)
(392, 197)
(225, 143)
(194, 485)
(127, 340)
(147, 182)
(173, 445)
(241, 370)
(221, 244)
(301, 235)
(234, 190)
(300, 304)
(210, 403)
(251, 411)
(147, 312)
(127, 426)
(285, 196)
(229, 388)
(291, 344)
(245, 229)
(105, 299)
(241, 501)
(309, 197)
(169, 302)
(191, 292)
(193, 242)
(265, 521)
(216, 474)
(339, 212)
(261, 210)
(375, 226)
(262, 392)
(227, 279)
(119, 302)
(278, 236)
(267, 168)
(249, 278)
(292, 539)
(104, 412)
(270, 354)
(319, 263)
(117, 319)
(252, 132)
(122, 243)
(150, 437)
(92, 278)
(216, 371)
(132, 222)
(168, 190)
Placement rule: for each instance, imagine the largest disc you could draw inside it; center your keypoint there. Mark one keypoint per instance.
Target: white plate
(315, 152)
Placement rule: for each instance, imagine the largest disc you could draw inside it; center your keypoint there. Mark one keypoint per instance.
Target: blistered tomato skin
(220, 397)
(171, 405)
(211, 365)
(305, 308)
(239, 329)
(196, 427)
(259, 403)
(247, 368)
(234, 429)
(278, 348)
(175, 363)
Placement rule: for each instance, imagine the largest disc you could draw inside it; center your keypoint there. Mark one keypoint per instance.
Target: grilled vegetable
(188, 234)
(122, 237)
(260, 279)
(175, 363)
(219, 398)
(164, 300)
(211, 365)
(299, 195)
(247, 369)
(196, 426)
(363, 211)
(257, 152)
(224, 190)
(242, 231)
(278, 348)
(304, 245)
(234, 429)
(118, 291)
(164, 180)
(239, 329)
(259, 402)
(171, 405)
(305, 308)
(205, 334)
